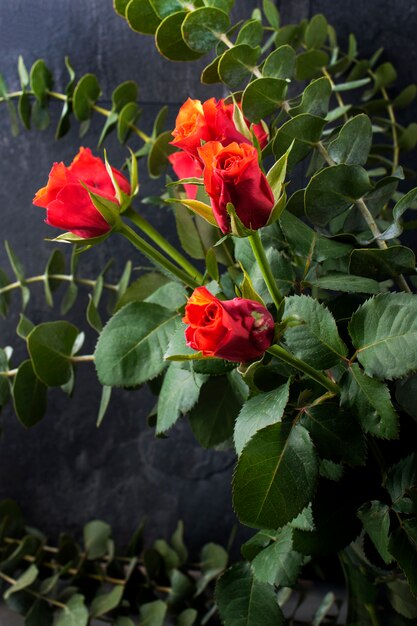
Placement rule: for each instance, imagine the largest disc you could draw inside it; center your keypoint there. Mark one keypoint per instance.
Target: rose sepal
(278, 209)
(237, 227)
(247, 290)
(109, 210)
(81, 243)
(199, 208)
(192, 180)
(124, 200)
(277, 173)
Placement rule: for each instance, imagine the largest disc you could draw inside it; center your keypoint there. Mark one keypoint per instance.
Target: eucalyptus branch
(42, 278)
(33, 593)
(225, 39)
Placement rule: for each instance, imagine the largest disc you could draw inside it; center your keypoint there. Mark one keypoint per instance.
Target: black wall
(65, 471)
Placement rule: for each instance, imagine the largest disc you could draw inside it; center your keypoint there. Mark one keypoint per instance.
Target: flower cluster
(213, 148)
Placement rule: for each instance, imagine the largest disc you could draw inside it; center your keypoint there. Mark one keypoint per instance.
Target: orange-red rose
(186, 167)
(66, 200)
(232, 175)
(210, 121)
(237, 330)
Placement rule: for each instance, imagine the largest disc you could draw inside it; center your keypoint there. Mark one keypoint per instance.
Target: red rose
(67, 202)
(210, 121)
(232, 174)
(237, 330)
(186, 167)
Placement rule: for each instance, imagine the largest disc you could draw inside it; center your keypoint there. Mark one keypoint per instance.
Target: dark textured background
(65, 471)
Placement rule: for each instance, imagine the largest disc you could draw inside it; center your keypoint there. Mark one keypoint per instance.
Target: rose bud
(186, 167)
(232, 175)
(210, 121)
(237, 330)
(66, 200)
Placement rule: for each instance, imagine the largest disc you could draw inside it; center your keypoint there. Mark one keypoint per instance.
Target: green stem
(319, 377)
(260, 256)
(160, 241)
(154, 255)
(41, 278)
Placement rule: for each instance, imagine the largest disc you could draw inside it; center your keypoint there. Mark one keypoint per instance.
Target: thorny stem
(160, 240)
(368, 218)
(302, 366)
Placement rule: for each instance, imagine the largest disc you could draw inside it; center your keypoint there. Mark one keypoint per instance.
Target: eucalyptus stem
(41, 278)
(368, 218)
(154, 255)
(261, 258)
(160, 240)
(302, 366)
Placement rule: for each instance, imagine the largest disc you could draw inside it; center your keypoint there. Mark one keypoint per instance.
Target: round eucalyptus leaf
(202, 28)
(170, 41)
(262, 97)
(237, 64)
(29, 395)
(86, 94)
(50, 347)
(142, 17)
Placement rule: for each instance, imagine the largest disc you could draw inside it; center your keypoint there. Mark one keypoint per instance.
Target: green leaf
(333, 190)
(241, 599)
(210, 73)
(142, 288)
(382, 264)
(395, 229)
(177, 542)
(315, 99)
(25, 580)
(131, 347)
(384, 333)
(158, 156)
(237, 63)
(262, 97)
(401, 481)
(201, 28)
(55, 265)
(275, 476)
(187, 232)
(375, 519)
(402, 599)
(406, 395)
(316, 340)
(166, 7)
(304, 130)
(316, 31)
(334, 434)
(354, 142)
(179, 393)
(251, 33)
(50, 347)
(86, 94)
(213, 560)
(187, 617)
(171, 296)
(271, 13)
(153, 613)
(104, 403)
(29, 395)
(280, 63)
(260, 411)
(278, 564)
(309, 64)
(126, 119)
(40, 81)
(306, 242)
(120, 6)
(74, 614)
(142, 17)
(170, 41)
(405, 98)
(106, 602)
(346, 283)
(408, 138)
(96, 538)
(370, 400)
(212, 422)
(383, 76)
(404, 550)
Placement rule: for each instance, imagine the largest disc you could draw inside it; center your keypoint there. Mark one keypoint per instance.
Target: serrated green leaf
(130, 358)
(333, 190)
(370, 400)
(384, 333)
(141, 288)
(275, 476)
(241, 599)
(401, 481)
(381, 264)
(404, 550)
(316, 340)
(278, 564)
(375, 519)
(354, 141)
(346, 283)
(260, 411)
(179, 393)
